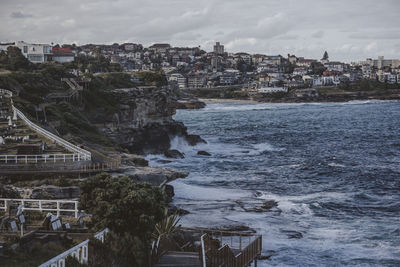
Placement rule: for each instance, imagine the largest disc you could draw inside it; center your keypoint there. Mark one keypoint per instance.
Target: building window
(25, 49)
(35, 58)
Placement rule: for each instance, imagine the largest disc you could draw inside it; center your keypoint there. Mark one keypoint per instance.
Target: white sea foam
(195, 192)
(253, 106)
(263, 147)
(333, 164)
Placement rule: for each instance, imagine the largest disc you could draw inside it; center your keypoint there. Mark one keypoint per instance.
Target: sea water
(333, 168)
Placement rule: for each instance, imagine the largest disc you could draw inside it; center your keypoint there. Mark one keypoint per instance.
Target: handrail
(101, 235)
(85, 155)
(6, 92)
(41, 205)
(225, 256)
(203, 253)
(46, 158)
(216, 231)
(80, 252)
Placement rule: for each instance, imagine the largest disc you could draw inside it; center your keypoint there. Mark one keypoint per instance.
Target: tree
(130, 210)
(326, 56)
(16, 59)
(317, 68)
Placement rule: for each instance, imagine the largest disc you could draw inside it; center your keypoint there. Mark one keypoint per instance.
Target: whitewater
(332, 168)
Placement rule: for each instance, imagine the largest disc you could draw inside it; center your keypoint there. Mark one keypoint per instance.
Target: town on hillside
(192, 67)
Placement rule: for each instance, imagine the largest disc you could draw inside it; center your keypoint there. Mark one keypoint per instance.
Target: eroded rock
(153, 175)
(194, 139)
(173, 153)
(203, 153)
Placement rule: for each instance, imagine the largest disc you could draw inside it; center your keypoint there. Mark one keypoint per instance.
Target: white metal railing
(42, 158)
(6, 92)
(101, 235)
(80, 252)
(203, 251)
(43, 205)
(84, 154)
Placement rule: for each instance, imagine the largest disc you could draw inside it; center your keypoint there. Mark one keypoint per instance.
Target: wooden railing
(225, 248)
(80, 252)
(225, 256)
(97, 167)
(43, 205)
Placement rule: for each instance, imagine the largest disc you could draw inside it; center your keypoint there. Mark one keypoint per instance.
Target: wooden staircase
(179, 259)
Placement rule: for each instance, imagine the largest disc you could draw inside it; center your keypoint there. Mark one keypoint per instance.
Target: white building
(391, 78)
(179, 79)
(196, 81)
(382, 62)
(269, 90)
(36, 53)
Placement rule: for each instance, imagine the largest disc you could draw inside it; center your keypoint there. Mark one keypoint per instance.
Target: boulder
(291, 234)
(173, 153)
(153, 175)
(176, 210)
(203, 153)
(189, 104)
(194, 139)
(134, 160)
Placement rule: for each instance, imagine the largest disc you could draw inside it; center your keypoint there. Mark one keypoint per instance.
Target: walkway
(179, 259)
(42, 151)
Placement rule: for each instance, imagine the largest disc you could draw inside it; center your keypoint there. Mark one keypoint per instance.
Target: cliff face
(144, 122)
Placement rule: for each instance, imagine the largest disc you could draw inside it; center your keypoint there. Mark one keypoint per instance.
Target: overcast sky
(347, 29)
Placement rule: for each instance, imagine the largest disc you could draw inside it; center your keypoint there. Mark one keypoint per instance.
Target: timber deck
(179, 259)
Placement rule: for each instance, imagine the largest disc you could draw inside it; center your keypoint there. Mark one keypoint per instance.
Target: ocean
(332, 168)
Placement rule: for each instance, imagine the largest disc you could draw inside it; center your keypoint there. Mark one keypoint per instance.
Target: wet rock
(194, 139)
(55, 192)
(203, 153)
(269, 204)
(173, 153)
(189, 104)
(153, 175)
(237, 228)
(256, 205)
(268, 254)
(164, 161)
(176, 210)
(134, 160)
(292, 234)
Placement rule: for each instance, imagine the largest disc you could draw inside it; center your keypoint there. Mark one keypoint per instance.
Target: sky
(350, 30)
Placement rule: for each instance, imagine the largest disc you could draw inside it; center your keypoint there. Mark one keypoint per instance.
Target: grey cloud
(305, 27)
(377, 35)
(20, 15)
(318, 34)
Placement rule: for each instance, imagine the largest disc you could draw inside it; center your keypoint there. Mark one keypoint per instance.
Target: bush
(130, 210)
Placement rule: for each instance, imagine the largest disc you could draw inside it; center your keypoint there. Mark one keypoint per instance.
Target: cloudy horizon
(348, 30)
